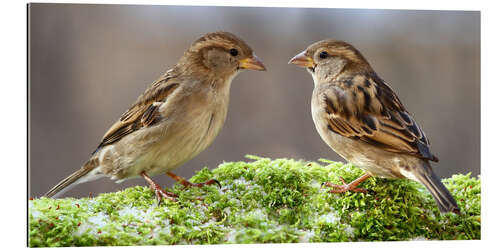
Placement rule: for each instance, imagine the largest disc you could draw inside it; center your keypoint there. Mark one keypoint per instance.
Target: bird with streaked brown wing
(361, 118)
(175, 119)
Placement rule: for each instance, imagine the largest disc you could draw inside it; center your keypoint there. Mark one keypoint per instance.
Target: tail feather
(444, 199)
(84, 174)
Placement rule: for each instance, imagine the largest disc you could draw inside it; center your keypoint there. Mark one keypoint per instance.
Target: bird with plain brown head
(176, 118)
(361, 118)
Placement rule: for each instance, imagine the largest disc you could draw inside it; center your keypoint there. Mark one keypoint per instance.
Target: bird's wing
(370, 111)
(143, 113)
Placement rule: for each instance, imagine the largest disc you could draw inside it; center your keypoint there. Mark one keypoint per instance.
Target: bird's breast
(187, 128)
(192, 132)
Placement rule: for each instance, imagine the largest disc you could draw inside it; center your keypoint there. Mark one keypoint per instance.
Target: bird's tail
(84, 174)
(444, 199)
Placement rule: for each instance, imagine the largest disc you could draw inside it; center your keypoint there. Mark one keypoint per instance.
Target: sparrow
(362, 119)
(177, 117)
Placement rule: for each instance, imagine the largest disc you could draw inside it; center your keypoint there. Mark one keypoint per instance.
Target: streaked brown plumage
(361, 118)
(175, 119)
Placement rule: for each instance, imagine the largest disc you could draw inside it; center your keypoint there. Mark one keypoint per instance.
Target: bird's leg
(189, 184)
(347, 187)
(159, 192)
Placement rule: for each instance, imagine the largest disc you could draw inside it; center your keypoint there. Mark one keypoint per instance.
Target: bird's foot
(343, 188)
(186, 183)
(347, 187)
(160, 193)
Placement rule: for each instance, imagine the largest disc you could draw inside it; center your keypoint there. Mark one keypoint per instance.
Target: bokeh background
(88, 63)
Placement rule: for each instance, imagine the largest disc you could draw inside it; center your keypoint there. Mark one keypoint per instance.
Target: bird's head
(328, 59)
(220, 54)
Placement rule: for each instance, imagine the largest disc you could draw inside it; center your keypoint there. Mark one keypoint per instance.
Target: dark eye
(233, 52)
(323, 55)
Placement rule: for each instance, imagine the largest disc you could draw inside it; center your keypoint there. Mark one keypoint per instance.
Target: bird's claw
(159, 192)
(162, 194)
(344, 187)
(201, 184)
(186, 183)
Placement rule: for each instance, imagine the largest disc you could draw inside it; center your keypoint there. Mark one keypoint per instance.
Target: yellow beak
(253, 63)
(302, 60)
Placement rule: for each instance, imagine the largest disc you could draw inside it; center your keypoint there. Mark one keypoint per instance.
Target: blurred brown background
(88, 63)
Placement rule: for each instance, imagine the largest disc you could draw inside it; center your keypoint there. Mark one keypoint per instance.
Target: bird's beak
(302, 60)
(252, 63)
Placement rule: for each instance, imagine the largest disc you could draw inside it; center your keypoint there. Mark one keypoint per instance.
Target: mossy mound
(262, 201)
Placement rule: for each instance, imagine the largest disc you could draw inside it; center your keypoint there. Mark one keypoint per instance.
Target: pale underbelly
(158, 150)
(373, 160)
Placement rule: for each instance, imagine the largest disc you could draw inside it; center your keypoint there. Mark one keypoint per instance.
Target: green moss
(260, 201)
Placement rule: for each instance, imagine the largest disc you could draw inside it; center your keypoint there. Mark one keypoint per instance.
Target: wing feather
(143, 113)
(389, 126)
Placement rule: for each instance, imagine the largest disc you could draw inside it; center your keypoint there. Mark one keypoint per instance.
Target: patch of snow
(227, 211)
(308, 234)
(192, 222)
(231, 236)
(259, 213)
(35, 213)
(128, 211)
(331, 217)
(315, 184)
(99, 220)
(82, 229)
(241, 180)
(155, 231)
(419, 238)
(349, 230)
(96, 221)
(90, 204)
(159, 230)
